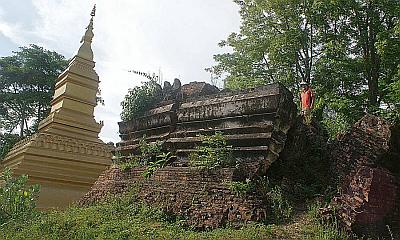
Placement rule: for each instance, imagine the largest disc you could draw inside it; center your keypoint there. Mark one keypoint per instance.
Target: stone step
(257, 128)
(227, 137)
(149, 139)
(148, 132)
(227, 122)
(246, 149)
(238, 140)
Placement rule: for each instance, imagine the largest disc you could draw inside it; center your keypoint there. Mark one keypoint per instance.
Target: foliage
(128, 164)
(149, 151)
(124, 217)
(17, 199)
(281, 208)
(7, 141)
(348, 50)
(161, 160)
(321, 229)
(140, 99)
(26, 87)
(241, 188)
(213, 153)
(151, 156)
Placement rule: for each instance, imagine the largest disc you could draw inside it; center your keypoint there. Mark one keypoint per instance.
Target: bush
(151, 155)
(160, 161)
(241, 188)
(17, 199)
(149, 151)
(140, 99)
(213, 153)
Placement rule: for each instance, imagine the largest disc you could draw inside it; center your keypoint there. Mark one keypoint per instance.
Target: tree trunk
(373, 59)
(21, 126)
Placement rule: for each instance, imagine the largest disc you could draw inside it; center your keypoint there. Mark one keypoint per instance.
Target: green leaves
(7, 141)
(26, 87)
(348, 50)
(140, 99)
(212, 153)
(17, 199)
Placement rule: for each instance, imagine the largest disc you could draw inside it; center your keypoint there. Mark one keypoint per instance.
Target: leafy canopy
(26, 87)
(349, 50)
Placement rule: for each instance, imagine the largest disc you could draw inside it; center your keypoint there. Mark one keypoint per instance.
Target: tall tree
(26, 87)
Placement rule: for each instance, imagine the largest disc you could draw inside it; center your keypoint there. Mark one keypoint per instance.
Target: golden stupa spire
(85, 51)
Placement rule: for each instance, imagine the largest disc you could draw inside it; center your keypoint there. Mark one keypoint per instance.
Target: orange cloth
(307, 98)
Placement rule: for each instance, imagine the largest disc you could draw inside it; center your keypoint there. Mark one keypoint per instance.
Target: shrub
(140, 99)
(17, 199)
(161, 160)
(124, 166)
(241, 188)
(149, 151)
(151, 155)
(212, 153)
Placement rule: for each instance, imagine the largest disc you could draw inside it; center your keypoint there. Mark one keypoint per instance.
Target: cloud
(179, 37)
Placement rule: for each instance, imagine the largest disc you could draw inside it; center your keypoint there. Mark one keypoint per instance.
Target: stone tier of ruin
(254, 122)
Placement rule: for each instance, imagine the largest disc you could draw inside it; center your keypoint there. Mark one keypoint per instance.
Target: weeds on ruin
(241, 188)
(160, 161)
(125, 217)
(281, 207)
(149, 151)
(17, 198)
(125, 166)
(282, 210)
(151, 155)
(212, 153)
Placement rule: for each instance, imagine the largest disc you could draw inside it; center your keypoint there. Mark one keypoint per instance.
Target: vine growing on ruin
(212, 153)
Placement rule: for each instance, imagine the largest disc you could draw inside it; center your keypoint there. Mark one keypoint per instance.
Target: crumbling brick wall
(364, 163)
(202, 198)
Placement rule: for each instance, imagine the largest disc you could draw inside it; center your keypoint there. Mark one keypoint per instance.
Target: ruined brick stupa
(66, 155)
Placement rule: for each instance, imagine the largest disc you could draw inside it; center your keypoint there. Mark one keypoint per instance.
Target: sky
(176, 37)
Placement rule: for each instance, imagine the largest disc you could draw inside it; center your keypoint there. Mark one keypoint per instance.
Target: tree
(348, 50)
(26, 87)
(277, 43)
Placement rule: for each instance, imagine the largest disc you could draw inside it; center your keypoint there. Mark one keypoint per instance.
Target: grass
(126, 218)
(321, 230)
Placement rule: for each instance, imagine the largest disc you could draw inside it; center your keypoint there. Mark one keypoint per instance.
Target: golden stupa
(66, 155)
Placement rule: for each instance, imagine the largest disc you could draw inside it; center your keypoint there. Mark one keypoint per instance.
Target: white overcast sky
(177, 36)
